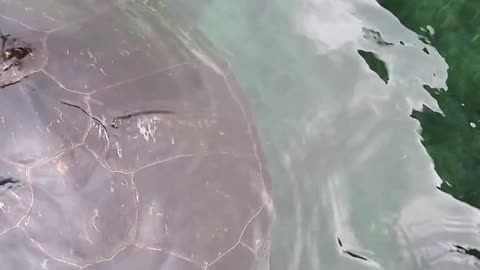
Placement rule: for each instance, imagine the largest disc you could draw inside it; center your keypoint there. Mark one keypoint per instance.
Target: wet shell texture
(124, 144)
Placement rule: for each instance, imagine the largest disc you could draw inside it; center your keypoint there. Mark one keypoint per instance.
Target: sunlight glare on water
(354, 186)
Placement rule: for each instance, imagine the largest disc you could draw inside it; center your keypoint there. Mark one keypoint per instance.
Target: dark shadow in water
(376, 64)
(468, 251)
(350, 253)
(375, 36)
(452, 139)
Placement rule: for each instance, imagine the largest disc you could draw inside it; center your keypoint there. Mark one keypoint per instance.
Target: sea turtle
(124, 144)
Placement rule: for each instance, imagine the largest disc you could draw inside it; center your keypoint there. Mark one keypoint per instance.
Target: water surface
(368, 114)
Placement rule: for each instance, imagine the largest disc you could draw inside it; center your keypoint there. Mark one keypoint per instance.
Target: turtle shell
(124, 144)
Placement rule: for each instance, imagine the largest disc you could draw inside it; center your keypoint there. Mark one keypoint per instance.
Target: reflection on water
(451, 138)
(375, 64)
(355, 175)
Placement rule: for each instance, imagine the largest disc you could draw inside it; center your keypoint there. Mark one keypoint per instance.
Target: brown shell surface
(123, 145)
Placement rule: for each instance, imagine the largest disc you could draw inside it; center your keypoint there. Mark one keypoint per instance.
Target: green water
(374, 162)
(452, 139)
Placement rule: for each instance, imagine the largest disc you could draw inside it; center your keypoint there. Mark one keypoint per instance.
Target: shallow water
(368, 115)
